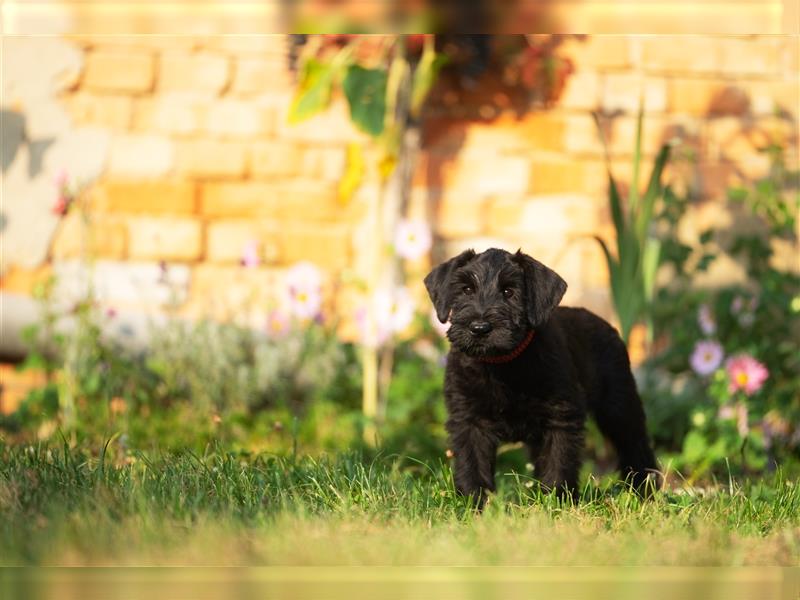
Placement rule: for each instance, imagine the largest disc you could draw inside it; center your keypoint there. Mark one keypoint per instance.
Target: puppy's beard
(495, 343)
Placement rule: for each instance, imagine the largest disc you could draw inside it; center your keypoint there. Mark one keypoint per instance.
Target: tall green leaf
(425, 75)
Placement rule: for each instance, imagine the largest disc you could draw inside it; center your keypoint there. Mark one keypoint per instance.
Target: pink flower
(61, 207)
(706, 357)
(739, 412)
(250, 257)
(277, 324)
(745, 373)
(412, 239)
(705, 319)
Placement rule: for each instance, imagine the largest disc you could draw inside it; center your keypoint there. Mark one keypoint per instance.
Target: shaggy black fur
(576, 363)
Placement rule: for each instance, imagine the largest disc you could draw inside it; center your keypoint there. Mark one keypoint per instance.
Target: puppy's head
(493, 299)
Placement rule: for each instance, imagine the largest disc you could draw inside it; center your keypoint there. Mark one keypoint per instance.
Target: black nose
(480, 327)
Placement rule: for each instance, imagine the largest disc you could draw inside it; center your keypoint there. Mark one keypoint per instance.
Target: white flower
(393, 311)
(412, 239)
(304, 290)
(304, 276)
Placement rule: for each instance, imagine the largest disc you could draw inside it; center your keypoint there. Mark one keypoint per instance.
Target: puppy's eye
(508, 292)
(468, 289)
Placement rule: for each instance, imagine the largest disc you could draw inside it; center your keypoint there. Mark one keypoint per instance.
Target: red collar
(495, 360)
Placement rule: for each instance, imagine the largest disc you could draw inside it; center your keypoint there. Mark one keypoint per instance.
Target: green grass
(62, 506)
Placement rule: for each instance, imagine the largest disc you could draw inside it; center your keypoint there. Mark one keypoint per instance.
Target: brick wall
(201, 161)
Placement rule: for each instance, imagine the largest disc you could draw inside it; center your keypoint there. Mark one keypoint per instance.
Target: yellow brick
(226, 240)
(176, 113)
(331, 125)
(783, 96)
(276, 159)
(329, 246)
(118, 71)
(581, 135)
(107, 111)
(704, 97)
(257, 75)
(24, 281)
(598, 51)
(756, 56)
(582, 91)
(546, 216)
(297, 200)
(199, 71)
(147, 196)
(237, 118)
(178, 239)
(149, 42)
(237, 199)
(272, 45)
(212, 158)
(623, 135)
(623, 91)
(680, 54)
(102, 238)
(456, 217)
(16, 385)
(327, 164)
(557, 173)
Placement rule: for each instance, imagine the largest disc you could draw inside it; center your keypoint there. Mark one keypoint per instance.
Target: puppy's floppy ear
(438, 283)
(544, 288)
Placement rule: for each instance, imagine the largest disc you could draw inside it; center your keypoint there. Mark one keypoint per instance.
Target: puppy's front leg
(475, 451)
(559, 459)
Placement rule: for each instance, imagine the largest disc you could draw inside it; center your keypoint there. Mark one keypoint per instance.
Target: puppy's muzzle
(480, 327)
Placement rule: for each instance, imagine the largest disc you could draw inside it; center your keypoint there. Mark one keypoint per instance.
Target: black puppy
(522, 370)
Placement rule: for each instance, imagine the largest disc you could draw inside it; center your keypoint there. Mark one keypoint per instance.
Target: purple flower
(706, 357)
(705, 319)
(412, 239)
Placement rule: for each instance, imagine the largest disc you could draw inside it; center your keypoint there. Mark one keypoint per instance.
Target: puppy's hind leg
(557, 460)
(620, 417)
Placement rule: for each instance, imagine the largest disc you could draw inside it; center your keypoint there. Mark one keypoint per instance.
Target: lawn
(61, 506)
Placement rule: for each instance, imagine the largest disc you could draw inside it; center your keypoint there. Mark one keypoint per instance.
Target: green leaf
(653, 192)
(707, 235)
(365, 90)
(314, 93)
(694, 446)
(650, 262)
(617, 216)
(425, 75)
(633, 198)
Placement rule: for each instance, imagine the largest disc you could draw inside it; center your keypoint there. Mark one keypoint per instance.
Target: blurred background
(223, 238)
